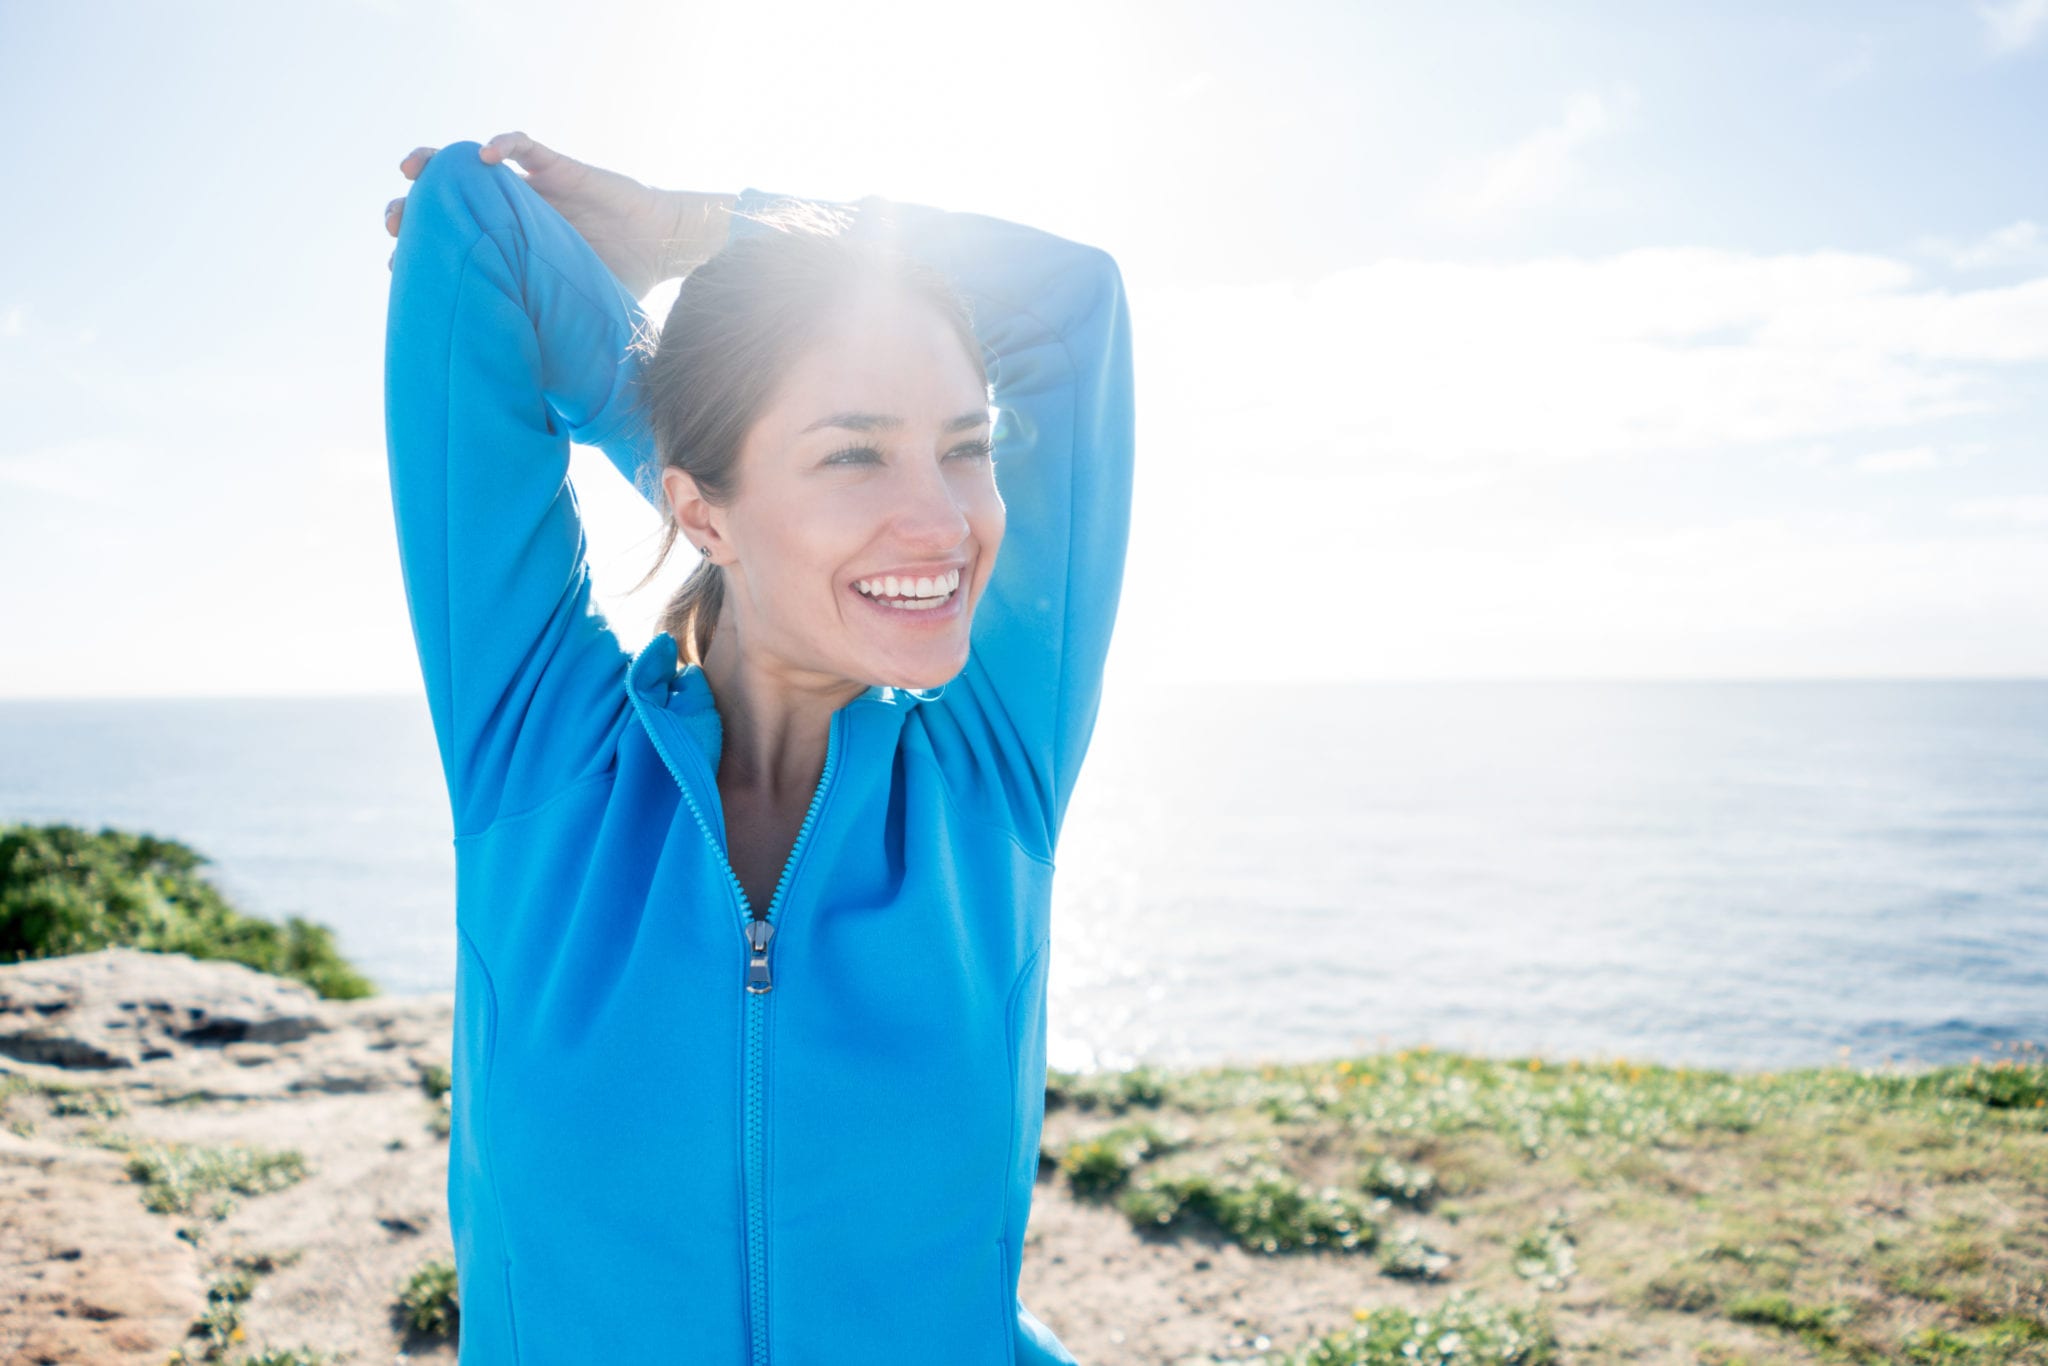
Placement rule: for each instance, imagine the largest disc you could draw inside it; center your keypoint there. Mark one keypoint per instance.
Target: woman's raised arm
(507, 339)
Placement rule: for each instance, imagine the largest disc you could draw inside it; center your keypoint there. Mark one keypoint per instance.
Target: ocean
(1750, 875)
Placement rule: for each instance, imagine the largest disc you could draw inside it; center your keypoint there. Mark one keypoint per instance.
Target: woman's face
(871, 461)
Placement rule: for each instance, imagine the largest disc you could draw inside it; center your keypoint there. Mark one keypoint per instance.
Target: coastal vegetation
(64, 890)
(1589, 1210)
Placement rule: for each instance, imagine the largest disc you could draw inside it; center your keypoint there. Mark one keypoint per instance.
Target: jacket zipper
(757, 930)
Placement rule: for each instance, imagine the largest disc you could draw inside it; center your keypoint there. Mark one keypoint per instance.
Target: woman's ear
(696, 519)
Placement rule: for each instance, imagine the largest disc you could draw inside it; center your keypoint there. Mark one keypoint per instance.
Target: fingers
(409, 166)
(531, 155)
(513, 146)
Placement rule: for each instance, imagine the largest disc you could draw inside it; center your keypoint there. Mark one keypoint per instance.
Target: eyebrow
(869, 422)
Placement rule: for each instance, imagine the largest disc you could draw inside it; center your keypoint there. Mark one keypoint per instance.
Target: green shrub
(430, 1300)
(1102, 1164)
(1462, 1331)
(175, 1175)
(1404, 1182)
(88, 1101)
(1117, 1091)
(65, 890)
(1413, 1257)
(1265, 1211)
(1545, 1254)
(435, 1079)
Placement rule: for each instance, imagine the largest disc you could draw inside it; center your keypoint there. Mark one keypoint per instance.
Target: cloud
(1405, 362)
(1904, 459)
(14, 322)
(2025, 509)
(2016, 244)
(1537, 170)
(87, 470)
(2012, 25)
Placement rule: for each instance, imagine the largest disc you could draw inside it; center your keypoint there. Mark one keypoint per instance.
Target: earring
(706, 549)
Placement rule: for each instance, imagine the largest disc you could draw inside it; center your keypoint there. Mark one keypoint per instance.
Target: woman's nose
(930, 513)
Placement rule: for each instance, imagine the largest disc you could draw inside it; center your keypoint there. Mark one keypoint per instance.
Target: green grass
(1462, 1331)
(1100, 1166)
(176, 1177)
(1834, 1214)
(219, 1329)
(1258, 1206)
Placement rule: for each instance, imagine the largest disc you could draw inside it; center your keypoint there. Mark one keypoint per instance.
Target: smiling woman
(750, 1002)
(747, 387)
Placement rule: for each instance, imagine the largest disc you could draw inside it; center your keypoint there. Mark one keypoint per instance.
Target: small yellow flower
(1535, 1064)
(1344, 1066)
(1360, 1314)
(237, 1335)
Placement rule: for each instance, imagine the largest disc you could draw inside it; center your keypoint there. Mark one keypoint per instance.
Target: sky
(1473, 340)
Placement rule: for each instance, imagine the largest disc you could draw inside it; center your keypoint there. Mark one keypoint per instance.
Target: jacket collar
(661, 683)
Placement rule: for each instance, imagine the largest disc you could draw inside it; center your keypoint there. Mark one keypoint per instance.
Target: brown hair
(741, 320)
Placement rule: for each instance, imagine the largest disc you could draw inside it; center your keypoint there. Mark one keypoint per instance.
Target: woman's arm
(1055, 327)
(507, 339)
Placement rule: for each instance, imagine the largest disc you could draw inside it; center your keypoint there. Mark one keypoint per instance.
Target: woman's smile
(925, 600)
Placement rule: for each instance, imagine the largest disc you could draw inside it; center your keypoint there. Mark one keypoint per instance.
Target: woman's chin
(932, 671)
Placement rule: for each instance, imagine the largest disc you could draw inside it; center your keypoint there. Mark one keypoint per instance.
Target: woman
(753, 924)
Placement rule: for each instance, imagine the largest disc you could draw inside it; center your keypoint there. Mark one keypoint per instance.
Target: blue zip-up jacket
(649, 1162)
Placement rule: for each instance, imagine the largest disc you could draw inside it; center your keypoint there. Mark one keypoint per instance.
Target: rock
(92, 1277)
(123, 1007)
(211, 1054)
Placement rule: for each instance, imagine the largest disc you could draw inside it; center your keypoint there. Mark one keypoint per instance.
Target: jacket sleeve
(1055, 329)
(507, 339)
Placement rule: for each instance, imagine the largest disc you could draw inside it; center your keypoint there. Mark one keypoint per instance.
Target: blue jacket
(649, 1162)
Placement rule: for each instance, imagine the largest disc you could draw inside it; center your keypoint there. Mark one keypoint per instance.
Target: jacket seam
(560, 795)
(448, 517)
(962, 812)
(618, 419)
(1011, 1046)
(487, 1149)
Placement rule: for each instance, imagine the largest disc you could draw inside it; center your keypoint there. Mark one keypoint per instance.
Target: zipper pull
(759, 932)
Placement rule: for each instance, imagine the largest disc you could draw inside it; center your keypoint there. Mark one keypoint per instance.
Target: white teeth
(915, 594)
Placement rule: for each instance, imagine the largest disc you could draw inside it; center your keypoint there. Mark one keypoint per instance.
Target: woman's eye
(865, 455)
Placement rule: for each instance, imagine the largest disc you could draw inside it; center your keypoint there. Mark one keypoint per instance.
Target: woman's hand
(642, 234)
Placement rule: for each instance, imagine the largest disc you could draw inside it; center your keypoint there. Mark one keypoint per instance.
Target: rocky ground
(106, 1053)
(200, 1162)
